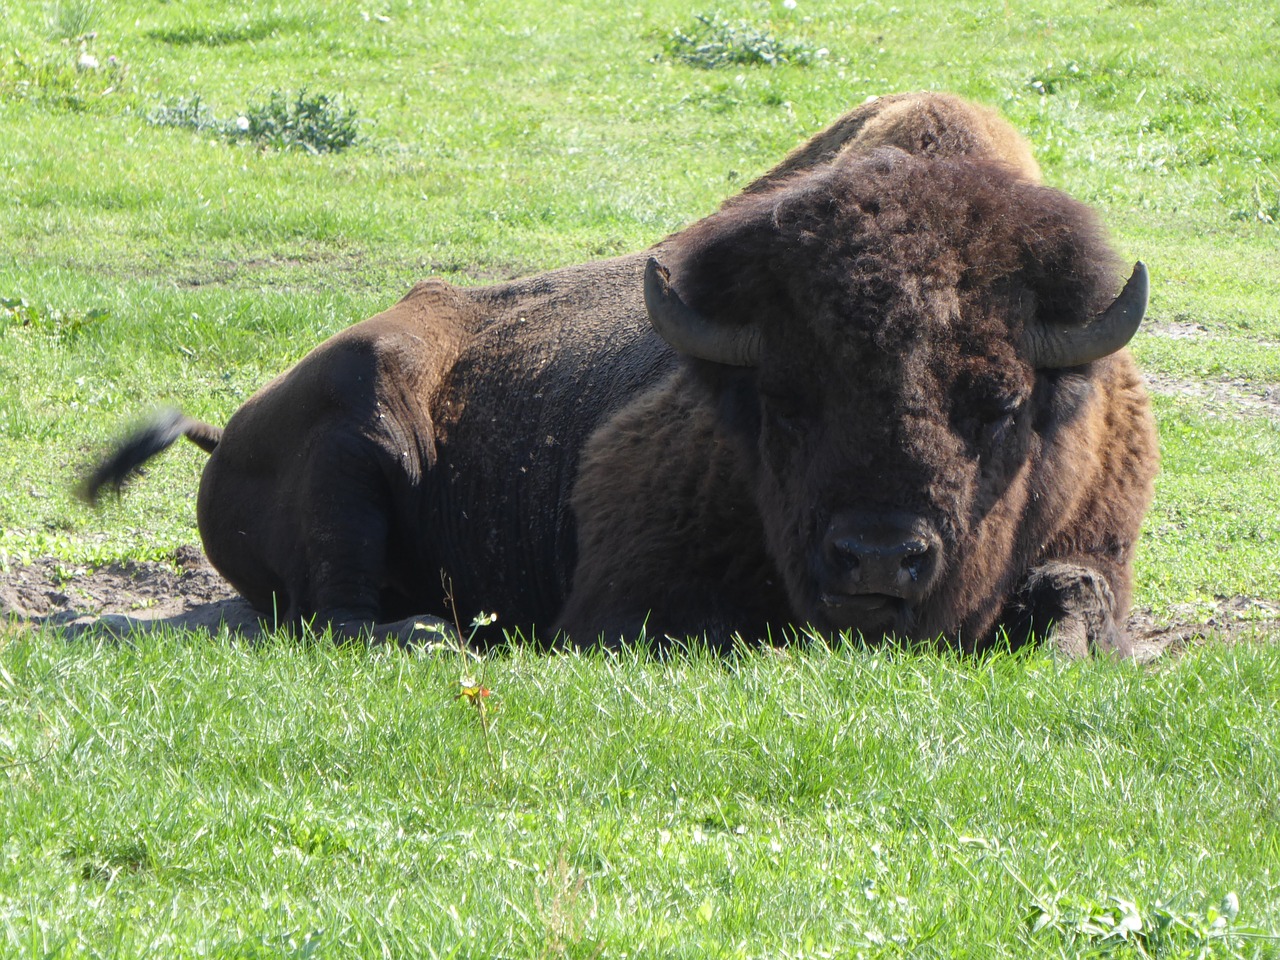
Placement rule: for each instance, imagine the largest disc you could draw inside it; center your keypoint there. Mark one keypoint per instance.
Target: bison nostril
(847, 553)
(916, 555)
(912, 566)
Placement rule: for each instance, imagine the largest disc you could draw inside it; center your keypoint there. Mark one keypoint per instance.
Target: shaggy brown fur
(927, 125)
(447, 433)
(893, 291)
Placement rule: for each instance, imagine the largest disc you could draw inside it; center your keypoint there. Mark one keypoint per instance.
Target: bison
(883, 390)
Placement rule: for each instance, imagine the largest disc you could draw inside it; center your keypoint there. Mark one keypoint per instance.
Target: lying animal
(885, 389)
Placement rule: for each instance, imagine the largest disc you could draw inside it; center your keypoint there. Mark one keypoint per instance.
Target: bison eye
(999, 420)
(1005, 406)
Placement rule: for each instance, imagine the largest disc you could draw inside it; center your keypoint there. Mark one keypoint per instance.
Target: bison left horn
(689, 331)
(1055, 347)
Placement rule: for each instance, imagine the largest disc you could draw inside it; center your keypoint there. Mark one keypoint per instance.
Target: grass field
(187, 796)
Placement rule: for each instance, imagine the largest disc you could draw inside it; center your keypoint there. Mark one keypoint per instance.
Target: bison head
(900, 348)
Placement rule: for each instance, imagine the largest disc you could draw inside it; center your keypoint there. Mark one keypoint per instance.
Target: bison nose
(889, 554)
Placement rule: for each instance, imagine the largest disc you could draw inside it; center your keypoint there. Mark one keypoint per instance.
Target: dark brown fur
(540, 444)
(893, 290)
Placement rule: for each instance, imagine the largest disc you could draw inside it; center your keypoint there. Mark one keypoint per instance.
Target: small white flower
(789, 4)
(87, 61)
(242, 124)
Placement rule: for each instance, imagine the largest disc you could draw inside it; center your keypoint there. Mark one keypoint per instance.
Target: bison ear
(689, 331)
(1053, 347)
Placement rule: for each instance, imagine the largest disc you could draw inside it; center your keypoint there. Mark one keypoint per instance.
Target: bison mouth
(871, 614)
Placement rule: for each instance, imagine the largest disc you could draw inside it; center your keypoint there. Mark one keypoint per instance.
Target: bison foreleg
(420, 631)
(1072, 607)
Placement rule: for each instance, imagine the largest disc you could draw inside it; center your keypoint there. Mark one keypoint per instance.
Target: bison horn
(688, 330)
(1055, 347)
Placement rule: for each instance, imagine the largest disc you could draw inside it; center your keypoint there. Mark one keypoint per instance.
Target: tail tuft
(140, 446)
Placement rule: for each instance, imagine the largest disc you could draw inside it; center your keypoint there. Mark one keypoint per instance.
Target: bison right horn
(1056, 347)
(689, 331)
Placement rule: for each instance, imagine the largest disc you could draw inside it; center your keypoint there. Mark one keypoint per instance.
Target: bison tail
(143, 444)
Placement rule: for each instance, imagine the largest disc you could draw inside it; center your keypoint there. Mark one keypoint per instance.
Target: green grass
(1211, 534)
(209, 798)
(183, 796)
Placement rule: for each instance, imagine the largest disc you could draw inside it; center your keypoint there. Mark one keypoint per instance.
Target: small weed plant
(1158, 931)
(472, 687)
(714, 42)
(473, 691)
(190, 113)
(1265, 205)
(74, 77)
(17, 313)
(316, 123)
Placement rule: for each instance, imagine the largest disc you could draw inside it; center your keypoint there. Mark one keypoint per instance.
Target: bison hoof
(423, 631)
(1073, 609)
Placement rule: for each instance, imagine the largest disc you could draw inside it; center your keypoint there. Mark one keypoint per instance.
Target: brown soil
(189, 594)
(1232, 396)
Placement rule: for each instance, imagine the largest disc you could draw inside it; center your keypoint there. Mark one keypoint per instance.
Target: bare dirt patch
(1230, 396)
(1233, 619)
(1186, 329)
(1176, 330)
(189, 594)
